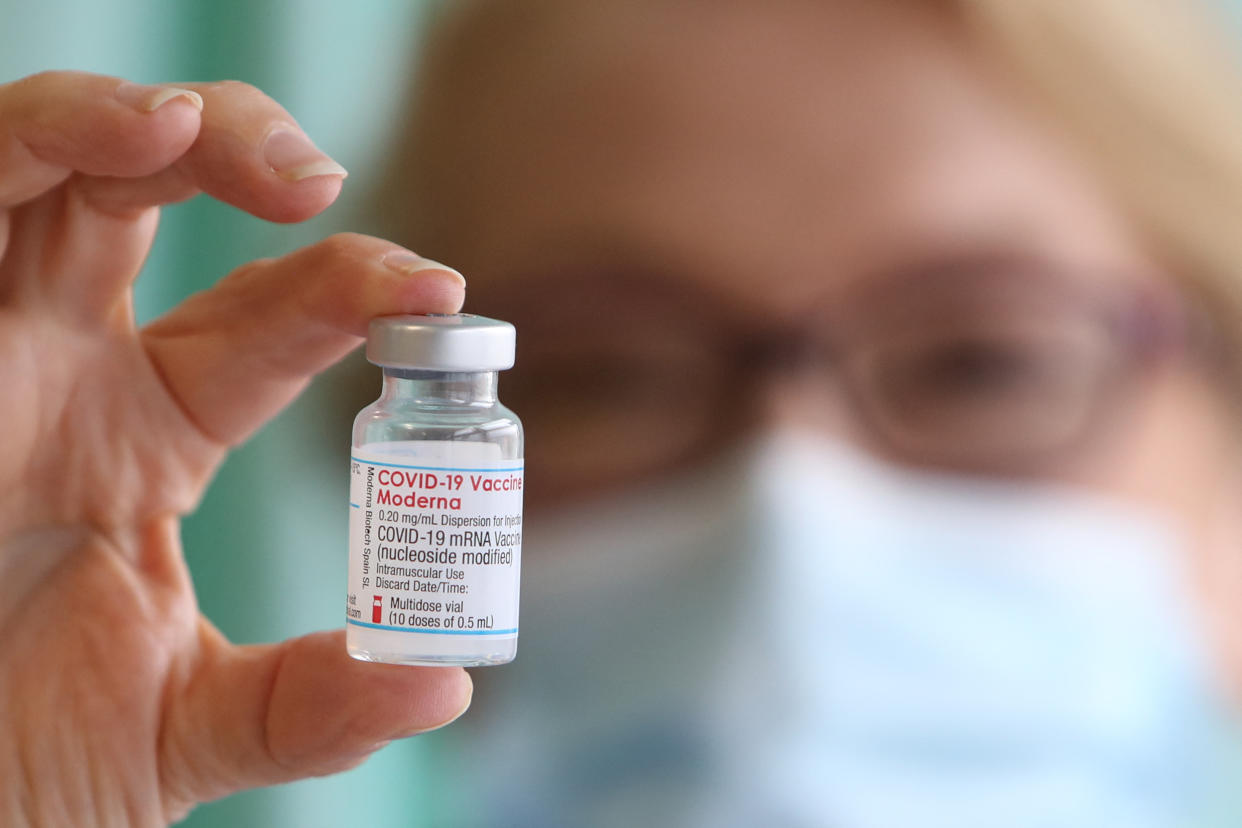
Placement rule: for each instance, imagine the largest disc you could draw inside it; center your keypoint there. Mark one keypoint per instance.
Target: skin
(698, 167)
(123, 705)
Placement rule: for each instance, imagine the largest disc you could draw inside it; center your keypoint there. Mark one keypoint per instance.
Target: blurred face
(709, 220)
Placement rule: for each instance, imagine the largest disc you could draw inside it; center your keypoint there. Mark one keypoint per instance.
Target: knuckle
(53, 76)
(252, 269)
(343, 246)
(31, 86)
(234, 87)
(241, 93)
(37, 79)
(240, 282)
(336, 288)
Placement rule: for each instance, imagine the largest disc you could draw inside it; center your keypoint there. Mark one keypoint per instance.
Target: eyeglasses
(994, 373)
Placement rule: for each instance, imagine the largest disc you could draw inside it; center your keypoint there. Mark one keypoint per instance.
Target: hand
(121, 703)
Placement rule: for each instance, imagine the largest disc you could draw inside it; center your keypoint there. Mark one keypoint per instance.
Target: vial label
(435, 547)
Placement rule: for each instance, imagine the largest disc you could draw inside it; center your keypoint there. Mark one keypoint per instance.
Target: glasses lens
(984, 395)
(595, 416)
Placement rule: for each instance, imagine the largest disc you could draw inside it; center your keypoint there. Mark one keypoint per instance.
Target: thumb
(259, 715)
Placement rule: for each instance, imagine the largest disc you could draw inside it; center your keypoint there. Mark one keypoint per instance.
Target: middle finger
(250, 153)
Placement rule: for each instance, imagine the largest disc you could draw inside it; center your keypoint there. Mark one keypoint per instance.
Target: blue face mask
(802, 636)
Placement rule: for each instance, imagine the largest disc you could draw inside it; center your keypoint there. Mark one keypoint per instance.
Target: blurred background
(267, 548)
(266, 566)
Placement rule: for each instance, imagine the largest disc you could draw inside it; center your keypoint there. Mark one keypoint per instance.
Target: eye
(985, 396)
(963, 370)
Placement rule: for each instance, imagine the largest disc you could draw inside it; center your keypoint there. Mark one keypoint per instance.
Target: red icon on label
(377, 609)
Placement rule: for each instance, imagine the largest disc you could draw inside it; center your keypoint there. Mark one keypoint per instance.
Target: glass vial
(436, 497)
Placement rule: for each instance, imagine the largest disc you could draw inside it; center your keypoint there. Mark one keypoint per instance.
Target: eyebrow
(963, 271)
(619, 273)
(606, 280)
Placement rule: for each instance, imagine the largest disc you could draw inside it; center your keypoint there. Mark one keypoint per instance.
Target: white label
(435, 541)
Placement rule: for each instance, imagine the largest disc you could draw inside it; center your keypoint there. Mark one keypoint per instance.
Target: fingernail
(293, 157)
(408, 263)
(150, 98)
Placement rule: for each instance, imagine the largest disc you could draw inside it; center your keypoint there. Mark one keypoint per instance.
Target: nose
(803, 395)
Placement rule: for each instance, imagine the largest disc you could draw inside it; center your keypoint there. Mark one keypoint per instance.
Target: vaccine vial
(436, 497)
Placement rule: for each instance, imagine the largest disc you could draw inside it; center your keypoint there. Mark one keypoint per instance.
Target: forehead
(766, 154)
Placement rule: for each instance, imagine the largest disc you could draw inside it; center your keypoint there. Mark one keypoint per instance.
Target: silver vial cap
(441, 342)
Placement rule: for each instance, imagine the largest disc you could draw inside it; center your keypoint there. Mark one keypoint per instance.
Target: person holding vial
(880, 364)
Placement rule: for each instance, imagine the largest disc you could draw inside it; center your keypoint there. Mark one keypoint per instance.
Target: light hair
(1151, 91)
